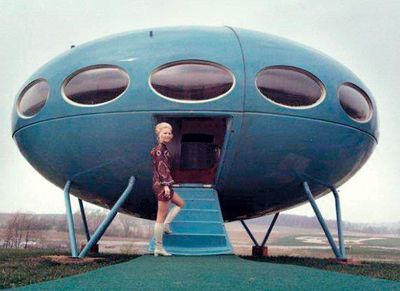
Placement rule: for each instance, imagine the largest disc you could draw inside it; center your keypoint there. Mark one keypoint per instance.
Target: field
(287, 241)
(379, 254)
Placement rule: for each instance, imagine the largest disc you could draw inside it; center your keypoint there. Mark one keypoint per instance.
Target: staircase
(199, 228)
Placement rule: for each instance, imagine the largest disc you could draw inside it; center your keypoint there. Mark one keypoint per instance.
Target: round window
(192, 81)
(33, 97)
(96, 85)
(355, 102)
(290, 86)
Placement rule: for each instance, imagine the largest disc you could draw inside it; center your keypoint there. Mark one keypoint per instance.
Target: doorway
(196, 147)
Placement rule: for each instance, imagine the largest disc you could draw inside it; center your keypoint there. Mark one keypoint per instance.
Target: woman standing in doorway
(162, 187)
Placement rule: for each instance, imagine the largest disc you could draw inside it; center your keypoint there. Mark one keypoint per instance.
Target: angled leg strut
(70, 220)
(256, 245)
(85, 226)
(339, 223)
(270, 229)
(249, 233)
(109, 218)
(339, 253)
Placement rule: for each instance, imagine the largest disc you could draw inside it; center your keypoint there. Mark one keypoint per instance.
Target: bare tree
(10, 225)
(27, 223)
(126, 223)
(19, 230)
(95, 217)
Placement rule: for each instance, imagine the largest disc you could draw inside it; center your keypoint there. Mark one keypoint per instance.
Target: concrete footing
(259, 251)
(93, 250)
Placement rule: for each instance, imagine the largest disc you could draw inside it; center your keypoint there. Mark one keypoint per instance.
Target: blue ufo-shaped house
(254, 117)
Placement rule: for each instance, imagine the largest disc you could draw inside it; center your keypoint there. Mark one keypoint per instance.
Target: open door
(196, 147)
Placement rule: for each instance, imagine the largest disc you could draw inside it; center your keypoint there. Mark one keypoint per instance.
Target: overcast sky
(362, 35)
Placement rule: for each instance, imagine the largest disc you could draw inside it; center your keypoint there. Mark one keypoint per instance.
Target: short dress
(162, 159)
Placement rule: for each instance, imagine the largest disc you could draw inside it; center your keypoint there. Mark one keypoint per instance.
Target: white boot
(171, 215)
(158, 238)
(167, 229)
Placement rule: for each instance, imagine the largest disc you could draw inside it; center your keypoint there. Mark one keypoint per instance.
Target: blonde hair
(160, 127)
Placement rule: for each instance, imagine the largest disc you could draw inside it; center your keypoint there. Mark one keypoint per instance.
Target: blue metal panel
(139, 54)
(99, 155)
(275, 150)
(261, 50)
(271, 158)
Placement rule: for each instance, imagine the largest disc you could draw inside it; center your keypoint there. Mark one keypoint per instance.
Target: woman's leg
(177, 200)
(179, 203)
(159, 229)
(162, 211)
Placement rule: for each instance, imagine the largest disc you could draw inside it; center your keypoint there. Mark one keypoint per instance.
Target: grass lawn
(388, 271)
(22, 267)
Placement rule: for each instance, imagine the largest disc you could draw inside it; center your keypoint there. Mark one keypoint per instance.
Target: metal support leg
(249, 233)
(70, 219)
(339, 223)
(85, 226)
(266, 235)
(270, 229)
(310, 197)
(109, 218)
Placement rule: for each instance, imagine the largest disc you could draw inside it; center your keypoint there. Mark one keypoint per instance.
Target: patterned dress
(162, 171)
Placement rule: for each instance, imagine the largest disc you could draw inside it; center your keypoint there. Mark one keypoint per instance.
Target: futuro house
(261, 120)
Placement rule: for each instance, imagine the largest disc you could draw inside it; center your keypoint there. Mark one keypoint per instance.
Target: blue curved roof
(242, 51)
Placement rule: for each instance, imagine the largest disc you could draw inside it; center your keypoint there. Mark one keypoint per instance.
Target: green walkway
(211, 273)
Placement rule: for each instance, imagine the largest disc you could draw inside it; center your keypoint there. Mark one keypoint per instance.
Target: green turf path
(211, 273)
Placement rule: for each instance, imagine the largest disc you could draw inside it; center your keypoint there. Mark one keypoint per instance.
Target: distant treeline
(300, 221)
(20, 230)
(128, 226)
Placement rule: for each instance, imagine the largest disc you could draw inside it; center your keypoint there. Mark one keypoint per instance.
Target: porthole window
(355, 102)
(290, 86)
(96, 85)
(192, 81)
(33, 97)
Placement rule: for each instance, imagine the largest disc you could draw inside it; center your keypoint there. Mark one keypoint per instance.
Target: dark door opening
(196, 147)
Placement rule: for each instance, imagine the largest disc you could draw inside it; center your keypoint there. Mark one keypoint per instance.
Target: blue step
(201, 204)
(199, 228)
(190, 251)
(198, 215)
(195, 193)
(195, 240)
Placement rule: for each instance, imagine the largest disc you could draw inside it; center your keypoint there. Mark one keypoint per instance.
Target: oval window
(192, 81)
(33, 97)
(290, 86)
(355, 102)
(96, 85)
